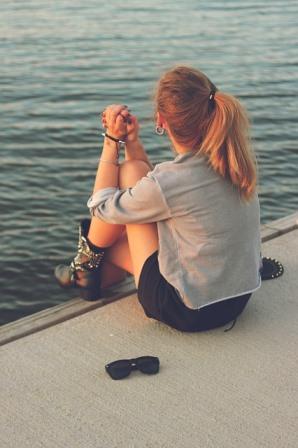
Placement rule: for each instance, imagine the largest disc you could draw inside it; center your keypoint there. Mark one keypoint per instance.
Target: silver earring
(159, 130)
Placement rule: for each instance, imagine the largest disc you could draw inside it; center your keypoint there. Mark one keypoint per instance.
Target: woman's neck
(177, 147)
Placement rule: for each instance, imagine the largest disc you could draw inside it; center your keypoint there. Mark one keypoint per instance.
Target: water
(63, 61)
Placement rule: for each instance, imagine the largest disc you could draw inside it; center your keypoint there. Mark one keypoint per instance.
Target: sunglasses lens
(119, 369)
(148, 364)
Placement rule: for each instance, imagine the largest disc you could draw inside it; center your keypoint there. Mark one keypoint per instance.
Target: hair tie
(212, 95)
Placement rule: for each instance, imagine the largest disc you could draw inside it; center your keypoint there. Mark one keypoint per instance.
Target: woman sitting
(187, 229)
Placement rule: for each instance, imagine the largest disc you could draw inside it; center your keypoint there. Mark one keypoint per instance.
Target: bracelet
(117, 140)
(109, 161)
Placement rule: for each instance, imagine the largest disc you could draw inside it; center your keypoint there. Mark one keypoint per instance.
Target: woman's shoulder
(182, 165)
(175, 175)
(162, 166)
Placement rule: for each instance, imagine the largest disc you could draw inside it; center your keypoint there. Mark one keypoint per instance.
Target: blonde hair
(217, 126)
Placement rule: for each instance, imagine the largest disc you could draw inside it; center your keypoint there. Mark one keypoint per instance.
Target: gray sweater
(209, 239)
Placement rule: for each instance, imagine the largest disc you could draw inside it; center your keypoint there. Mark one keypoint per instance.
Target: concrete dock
(215, 389)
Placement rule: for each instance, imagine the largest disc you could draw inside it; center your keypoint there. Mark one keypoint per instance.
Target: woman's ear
(157, 119)
(160, 121)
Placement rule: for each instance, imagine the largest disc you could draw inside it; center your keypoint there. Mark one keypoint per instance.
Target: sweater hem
(221, 299)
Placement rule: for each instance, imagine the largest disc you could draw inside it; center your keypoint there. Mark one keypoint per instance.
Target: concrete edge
(75, 307)
(64, 311)
(279, 227)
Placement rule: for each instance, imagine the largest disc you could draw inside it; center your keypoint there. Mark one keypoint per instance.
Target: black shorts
(161, 301)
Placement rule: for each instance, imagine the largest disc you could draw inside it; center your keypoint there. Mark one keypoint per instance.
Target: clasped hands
(120, 123)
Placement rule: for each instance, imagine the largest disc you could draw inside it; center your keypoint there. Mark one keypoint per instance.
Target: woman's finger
(125, 114)
(120, 125)
(114, 110)
(132, 120)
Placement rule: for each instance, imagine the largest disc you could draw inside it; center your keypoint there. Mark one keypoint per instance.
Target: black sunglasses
(123, 367)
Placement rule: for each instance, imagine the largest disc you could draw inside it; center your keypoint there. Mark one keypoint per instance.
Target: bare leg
(117, 263)
(128, 246)
(111, 275)
(105, 235)
(131, 251)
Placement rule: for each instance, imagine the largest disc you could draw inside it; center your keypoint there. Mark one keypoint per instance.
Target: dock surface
(214, 389)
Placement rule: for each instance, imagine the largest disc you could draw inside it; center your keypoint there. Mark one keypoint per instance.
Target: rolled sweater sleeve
(143, 203)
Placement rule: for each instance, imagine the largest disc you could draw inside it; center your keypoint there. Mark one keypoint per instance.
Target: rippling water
(63, 61)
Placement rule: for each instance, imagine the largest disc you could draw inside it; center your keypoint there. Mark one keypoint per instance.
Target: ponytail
(227, 144)
(209, 121)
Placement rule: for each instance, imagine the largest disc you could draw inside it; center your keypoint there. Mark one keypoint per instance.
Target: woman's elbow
(106, 216)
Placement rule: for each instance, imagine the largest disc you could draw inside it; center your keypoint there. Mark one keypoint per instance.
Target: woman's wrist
(110, 162)
(111, 137)
(110, 151)
(133, 144)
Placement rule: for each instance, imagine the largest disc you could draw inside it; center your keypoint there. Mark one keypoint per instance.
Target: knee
(131, 171)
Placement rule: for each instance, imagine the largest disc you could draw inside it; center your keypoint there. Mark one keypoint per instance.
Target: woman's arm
(143, 203)
(134, 148)
(107, 172)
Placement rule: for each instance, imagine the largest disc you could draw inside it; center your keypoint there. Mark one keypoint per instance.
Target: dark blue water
(63, 61)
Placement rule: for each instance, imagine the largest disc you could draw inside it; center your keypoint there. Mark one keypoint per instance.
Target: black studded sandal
(87, 263)
(271, 268)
